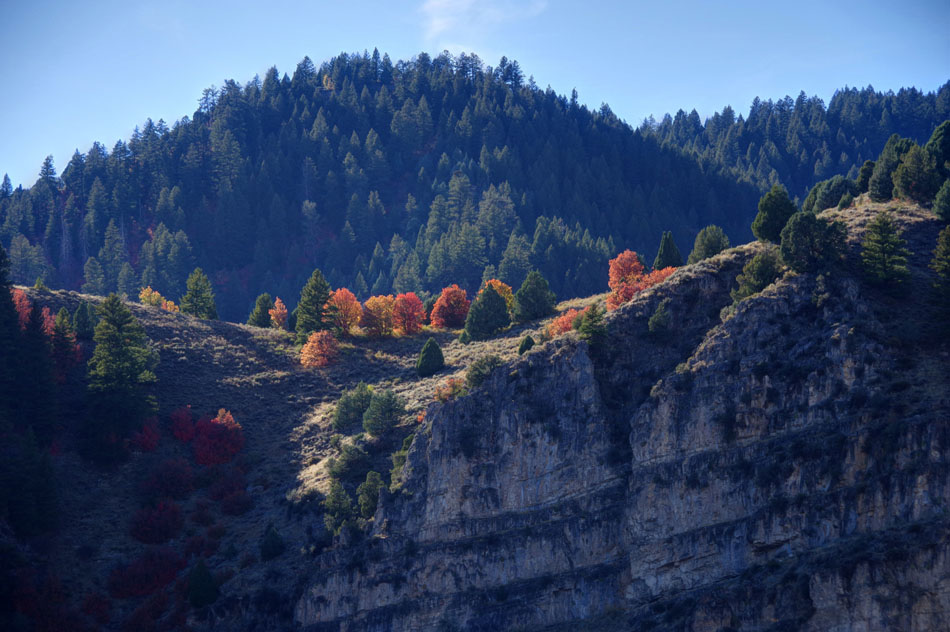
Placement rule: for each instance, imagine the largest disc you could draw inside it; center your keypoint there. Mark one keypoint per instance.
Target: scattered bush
(351, 465)
(272, 544)
(368, 494)
(349, 410)
(172, 478)
(202, 588)
(430, 360)
(321, 350)
(146, 440)
(451, 308)
(408, 314)
(183, 425)
(155, 568)
(480, 370)
(155, 525)
(337, 508)
(383, 413)
(377, 320)
(450, 389)
(525, 345)
(399, 460)
(217, 440)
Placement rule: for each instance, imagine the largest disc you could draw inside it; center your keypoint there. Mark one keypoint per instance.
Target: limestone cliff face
(784, 469)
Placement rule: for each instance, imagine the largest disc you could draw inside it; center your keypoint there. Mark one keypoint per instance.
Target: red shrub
(562, 324)
(377, 318)
(344, 311)
(217, 440)
(321, 350)
(146, 440)
(154, 525)
(23, 307)
(627, 278)
(153, 569)
(450, 389)
(408, 314)
(98, 607)
(172, 478)
(183, 425)
(451, 308)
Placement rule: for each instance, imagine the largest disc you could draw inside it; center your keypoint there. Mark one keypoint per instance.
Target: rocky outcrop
(785, 469)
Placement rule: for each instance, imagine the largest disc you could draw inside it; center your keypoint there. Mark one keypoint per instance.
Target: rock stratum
(781, 467)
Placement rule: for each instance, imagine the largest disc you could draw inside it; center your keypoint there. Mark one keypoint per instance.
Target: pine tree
(710, 241)
(84, 321)
(883, 251)
(758, 273)
(368, 494)
(916, 176)
(128, 281)
(112, 256)
(199, 299)
(383, 413)
(487, 316)
(202, 588)
(534, 299)
(525, 345)
(941, 265)
(260, 316)
(668, 254)
(430, 359)
(942, 202)
(593, 328)
(120, 370)
(311, 310)
(95, 279)
(810, 243)
(775, 208)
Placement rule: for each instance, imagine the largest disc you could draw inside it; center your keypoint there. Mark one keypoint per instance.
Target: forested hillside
(798, 142)
(408, 176)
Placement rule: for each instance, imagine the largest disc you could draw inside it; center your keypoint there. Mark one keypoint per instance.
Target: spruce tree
(84, 321)
(864, 177)
(775, 208)
(199, 299)
(534, 299)
(668, 255)
(525, 345)
(487, 316)
(260, 316)
(430, 359)
(202, 588)
(120, 371)
(941, 265)
(883, 251)
(942, 202)
(593, 328)
(95, 279)
(916, 176)
(311, 310)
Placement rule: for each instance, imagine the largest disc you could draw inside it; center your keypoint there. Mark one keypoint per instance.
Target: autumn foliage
(321, 349)
(23, 307)
(344, 311)
(152, 570)
(408, 314)
(504, 290)
(562, 324)
(154, 525)
(451, 308)
(146, 439)
(278, 314)
(377, 318)
(150, 297)
(450, 389)
(217, 439)
(627, 278)
(183, 425)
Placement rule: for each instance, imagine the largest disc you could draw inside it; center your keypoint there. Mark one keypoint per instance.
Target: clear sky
(76, 72)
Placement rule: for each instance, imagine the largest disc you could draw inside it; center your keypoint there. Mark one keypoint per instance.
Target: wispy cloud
(466, 24)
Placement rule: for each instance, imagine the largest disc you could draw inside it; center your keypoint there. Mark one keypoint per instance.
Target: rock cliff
(784, 468)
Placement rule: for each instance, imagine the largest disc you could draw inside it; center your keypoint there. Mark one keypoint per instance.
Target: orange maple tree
(408, 314)
(344, 311)
(451, 308)
(627, 278)
(278, 314)
(320, 350)
(377, 317)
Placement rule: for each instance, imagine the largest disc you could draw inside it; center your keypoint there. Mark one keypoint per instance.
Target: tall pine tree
(199, 299)
(311, 310)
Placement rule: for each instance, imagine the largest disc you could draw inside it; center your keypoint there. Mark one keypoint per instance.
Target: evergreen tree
(120, 371)
(383, 413)
(941, 265)
(337, 507)
(112, 256)
(593, 328)
(128, 281)
(864, 177)
(260, 316)
(668, 254)
(916, 176)
(660, 322)
(368, 494)
(774, 210)
(534, 299)
(810, 243)
(95, 279)
(942, 202)
(525, 345)
(9, 342)
(881, 184)
(883, 251)
(202, 588)
(311, 310)
(487, 316)
(199, 299)
(84, 321)
(430, 359)
(939, 148)
(758, 273)
(710, 241)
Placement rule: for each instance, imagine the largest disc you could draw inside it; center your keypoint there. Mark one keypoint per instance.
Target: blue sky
(84, 71)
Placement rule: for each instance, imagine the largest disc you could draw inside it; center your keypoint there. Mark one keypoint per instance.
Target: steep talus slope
(783, 469)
